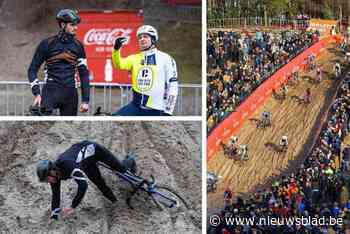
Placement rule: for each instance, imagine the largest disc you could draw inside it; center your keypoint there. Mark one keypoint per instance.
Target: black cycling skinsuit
(82, 158)
(63, 56)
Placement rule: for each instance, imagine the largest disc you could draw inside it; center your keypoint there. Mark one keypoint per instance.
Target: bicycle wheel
(166, 197)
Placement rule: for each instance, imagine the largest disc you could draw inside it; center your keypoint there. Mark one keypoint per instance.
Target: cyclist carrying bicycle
(78, 162)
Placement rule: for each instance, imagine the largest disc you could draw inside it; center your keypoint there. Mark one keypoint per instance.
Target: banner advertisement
(98, 31)
(323, 26)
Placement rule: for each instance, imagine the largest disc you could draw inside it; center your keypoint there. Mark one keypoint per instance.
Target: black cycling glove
(118, 43)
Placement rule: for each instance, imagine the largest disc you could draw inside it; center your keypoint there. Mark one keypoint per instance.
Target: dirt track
(297, 121)
(168, 150)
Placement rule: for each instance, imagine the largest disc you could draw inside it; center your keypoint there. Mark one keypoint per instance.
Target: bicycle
(264, 121)
(229, 151)
(161, 195)
(212, 180)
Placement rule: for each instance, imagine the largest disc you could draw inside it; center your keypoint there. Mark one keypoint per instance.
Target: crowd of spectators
(238, 62)
(319, 189)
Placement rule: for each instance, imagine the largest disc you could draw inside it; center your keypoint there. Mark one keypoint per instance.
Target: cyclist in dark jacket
(78, 162)
(63, 55)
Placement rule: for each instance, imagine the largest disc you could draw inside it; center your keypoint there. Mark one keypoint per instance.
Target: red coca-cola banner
(235, 120)
(98, 31)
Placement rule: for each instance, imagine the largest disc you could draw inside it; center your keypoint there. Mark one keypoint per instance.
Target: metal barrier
(16, 97)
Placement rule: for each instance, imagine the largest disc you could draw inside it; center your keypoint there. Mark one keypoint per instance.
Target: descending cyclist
(295, 74)
(311, 61)
(307, 96)
(154, 76)
(233, 147)
(79, 160)
(63, 55)
(265, 119)
(243, 152)
(284, 91)
(337, 69)
(284, 143)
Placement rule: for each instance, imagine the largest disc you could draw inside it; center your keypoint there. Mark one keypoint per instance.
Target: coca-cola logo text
(105, 36)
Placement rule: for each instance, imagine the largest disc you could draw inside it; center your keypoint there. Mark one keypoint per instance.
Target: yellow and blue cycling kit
(153, 78)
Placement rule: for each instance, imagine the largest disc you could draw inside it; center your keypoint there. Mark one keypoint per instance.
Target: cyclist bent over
(154, 76)
(79, 160)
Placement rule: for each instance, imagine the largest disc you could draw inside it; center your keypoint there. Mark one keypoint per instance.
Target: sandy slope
(165, 149)
(297, 121)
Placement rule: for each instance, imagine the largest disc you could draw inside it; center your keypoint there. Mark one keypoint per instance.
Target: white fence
(16, 98)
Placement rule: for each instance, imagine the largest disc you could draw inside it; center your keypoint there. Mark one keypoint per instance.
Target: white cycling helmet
(150, 30)
(234, 139)
(243, 146)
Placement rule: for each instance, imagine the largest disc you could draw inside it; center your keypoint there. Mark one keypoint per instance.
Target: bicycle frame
(138, 183)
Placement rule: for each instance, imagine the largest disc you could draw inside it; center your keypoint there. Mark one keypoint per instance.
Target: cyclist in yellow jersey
(154, 76)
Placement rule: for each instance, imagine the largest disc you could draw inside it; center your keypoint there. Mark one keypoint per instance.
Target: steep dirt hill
(297, 121)
(168, 150)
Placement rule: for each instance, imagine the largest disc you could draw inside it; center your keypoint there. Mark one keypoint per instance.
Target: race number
(145, 79)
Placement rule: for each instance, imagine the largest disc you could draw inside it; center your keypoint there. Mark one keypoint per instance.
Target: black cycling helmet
(68, 16)
(42, 169)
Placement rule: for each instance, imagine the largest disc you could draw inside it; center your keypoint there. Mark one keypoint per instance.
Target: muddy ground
(298, 121)
(168, 150)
